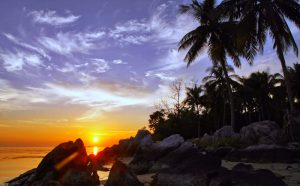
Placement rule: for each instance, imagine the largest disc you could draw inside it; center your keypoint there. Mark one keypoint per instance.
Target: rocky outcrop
(147, 155)
(265, 154)
(225, 132)
(244, 177)
(185, 155)
(263, 132)
(217, 176)
(66, 164)
(121, 175)
(125, 147)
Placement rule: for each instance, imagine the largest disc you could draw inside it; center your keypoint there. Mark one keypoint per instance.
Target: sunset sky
(90, 68)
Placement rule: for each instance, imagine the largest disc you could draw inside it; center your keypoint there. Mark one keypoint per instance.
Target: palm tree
(260, 17)
(216, 81)
(295, 79)
(216, 34)
(262, 87)
(194, 101)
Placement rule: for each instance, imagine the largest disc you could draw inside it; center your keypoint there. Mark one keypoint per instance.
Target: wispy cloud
(100, 65)
(69, 42)
(119, 62)
(158, 28)
(14, 61)
(25, 45)
(51, 17)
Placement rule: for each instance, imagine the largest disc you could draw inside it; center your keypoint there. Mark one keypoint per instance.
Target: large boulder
(225, 132)
(170, 142)
(146, 156)
(66, 164)
(125, 147)
(68, 155)
(121, 175)
(185, 155)
(263, 132)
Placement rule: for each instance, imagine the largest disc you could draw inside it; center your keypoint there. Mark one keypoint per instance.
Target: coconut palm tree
(194, 101)
(216, 81)
(215, 34)
(258, 18)
(295, 79)
(262, 87)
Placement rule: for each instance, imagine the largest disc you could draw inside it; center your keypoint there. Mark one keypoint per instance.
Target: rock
(170, 142)
(220, 152)
(265, 154)
(241, 176)
(178, 179)
(79, 178)
(225, 132)
(141, 134)
(244, 177)
(63, 157)
(206, 138)
(146, 156)
(243, 167)
(66, 164)
(146, 141)
(121, 175)
(172, 158)
(126, 147)
(293, 145)
(20, 180)
(108, 155)
(263, 132)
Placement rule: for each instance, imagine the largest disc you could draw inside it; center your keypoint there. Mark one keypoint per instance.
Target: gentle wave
(21, 157)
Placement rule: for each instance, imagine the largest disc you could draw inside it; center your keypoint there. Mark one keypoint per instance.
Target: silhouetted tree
(215, 34)
(260, 17)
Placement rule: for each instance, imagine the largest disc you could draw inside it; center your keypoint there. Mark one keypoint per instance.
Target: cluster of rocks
(261, 141)
(125, 147)
(178, 162)
(67, 164)
(173, 161)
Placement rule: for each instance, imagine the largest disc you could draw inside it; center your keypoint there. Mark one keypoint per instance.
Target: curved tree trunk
(224, 113)
(231, 99)
(287, 80)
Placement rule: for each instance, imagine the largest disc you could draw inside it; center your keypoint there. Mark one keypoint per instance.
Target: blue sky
(76, 62)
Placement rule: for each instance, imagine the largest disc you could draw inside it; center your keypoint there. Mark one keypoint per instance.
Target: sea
(17, 160)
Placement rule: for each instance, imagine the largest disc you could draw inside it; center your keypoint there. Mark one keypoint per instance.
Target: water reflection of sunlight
(95, 150)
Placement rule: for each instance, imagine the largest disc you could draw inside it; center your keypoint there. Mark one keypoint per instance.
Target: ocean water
(17, 160)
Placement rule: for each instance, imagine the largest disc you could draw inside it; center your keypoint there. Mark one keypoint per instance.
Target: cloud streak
(52, 18)
(15, 61)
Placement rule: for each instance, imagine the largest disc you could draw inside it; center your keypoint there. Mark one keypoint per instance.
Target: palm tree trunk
(287, 80)
(198, 117)
(224, 112)
(232, 113)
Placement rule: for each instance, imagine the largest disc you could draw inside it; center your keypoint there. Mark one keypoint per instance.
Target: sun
(95, 139)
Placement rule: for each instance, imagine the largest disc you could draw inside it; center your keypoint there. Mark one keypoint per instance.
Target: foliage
(221, 142)
(204, 109)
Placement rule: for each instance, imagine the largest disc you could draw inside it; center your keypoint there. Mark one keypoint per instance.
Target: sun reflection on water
(95, 150)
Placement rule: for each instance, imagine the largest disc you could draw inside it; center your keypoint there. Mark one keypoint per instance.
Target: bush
(234, 142)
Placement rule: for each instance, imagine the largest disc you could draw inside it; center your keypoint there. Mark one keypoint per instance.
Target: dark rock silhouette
(125, 148)
(121, 175)
(66, 164)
